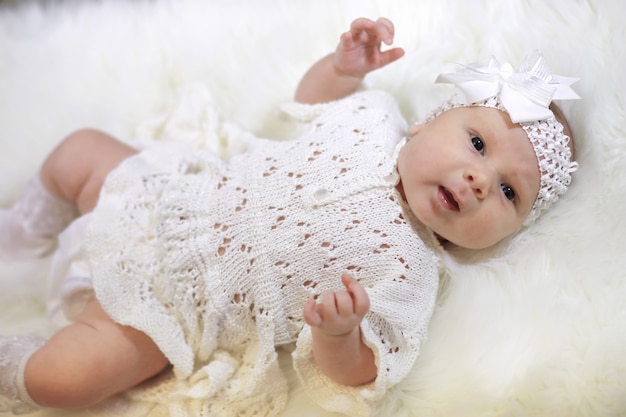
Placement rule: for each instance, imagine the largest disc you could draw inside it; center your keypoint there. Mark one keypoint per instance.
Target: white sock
(14, 354)
(30, 227)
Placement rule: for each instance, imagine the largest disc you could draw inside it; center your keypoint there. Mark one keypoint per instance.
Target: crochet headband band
(525, 94)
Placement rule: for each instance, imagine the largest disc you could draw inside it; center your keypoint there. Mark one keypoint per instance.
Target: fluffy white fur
(540, 330)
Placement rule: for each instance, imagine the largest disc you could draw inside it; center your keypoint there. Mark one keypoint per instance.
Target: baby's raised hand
(339, 312)
(359, 49)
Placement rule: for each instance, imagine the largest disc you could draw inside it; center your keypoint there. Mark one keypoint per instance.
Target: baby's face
(470, 175)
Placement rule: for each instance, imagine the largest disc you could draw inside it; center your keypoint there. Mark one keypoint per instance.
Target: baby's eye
(478, 144)
(509, 193)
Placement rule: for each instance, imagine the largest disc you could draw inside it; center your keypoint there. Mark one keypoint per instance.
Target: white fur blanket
(539, 331)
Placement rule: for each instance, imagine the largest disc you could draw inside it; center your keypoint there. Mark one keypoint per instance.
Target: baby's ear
(413, 130)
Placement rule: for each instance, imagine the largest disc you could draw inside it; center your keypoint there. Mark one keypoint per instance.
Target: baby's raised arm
(338, 348)
(358, 53)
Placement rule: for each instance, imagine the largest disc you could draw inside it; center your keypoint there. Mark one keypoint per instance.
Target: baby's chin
(467, 244)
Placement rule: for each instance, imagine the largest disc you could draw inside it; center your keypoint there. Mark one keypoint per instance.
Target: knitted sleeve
(402, 298)
(307, 113)
(394, 329)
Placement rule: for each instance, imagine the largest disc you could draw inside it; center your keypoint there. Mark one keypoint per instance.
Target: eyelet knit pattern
(215, 259)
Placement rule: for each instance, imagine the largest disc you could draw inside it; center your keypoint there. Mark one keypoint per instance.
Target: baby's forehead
(488, 118)
(480, 110)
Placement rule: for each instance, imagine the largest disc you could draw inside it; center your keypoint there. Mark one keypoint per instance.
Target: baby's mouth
(447, 199)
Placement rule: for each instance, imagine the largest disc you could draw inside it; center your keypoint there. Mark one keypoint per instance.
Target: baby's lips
(447, 199)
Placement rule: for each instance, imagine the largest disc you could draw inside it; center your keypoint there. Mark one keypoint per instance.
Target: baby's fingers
(357, 33)
(324, 310)
(361, 24)
(360, 299)
(385, 30)
(311, 316)
(344, 303)
(366, 31)
(390, 56)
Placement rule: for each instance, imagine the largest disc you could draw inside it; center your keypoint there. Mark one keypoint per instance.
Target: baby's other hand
(359, 49)
(339, 312)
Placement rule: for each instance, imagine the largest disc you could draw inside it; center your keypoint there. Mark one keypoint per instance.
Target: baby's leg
(90, 360)
(76, 169)
(68, 185)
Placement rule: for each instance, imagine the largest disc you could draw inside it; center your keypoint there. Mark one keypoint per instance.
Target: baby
(327, 244)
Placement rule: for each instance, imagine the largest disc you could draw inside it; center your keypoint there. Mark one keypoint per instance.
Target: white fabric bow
(525, 93)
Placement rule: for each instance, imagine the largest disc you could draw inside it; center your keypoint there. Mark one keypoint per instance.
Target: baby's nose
(480, 180)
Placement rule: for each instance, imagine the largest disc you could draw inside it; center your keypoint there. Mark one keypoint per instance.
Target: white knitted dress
(215, 259)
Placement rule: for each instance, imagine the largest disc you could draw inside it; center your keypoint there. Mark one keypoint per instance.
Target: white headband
(525, 94)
